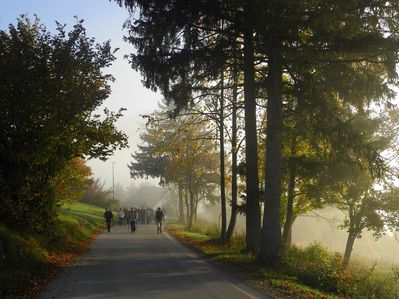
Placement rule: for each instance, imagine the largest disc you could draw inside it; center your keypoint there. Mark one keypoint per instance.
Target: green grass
(26, 259)
(78, 211)
(310, 272)
(88, 219)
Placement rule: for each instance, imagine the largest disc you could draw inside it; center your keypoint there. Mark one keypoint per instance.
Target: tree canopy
(50, 87)
(315, 64)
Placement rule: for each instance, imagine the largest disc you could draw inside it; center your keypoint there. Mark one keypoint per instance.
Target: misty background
(128, 92)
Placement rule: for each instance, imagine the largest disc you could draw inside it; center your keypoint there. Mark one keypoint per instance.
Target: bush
(361, 282)
(26, 257)
(20, 256)
(313, 266)
(17, 249)
(316, 267)
(203, 227)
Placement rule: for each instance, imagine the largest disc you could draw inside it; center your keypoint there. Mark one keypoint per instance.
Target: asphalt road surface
(144, 265)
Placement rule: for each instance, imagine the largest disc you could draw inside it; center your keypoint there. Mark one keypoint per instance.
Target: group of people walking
(135, 216)
(141, 215)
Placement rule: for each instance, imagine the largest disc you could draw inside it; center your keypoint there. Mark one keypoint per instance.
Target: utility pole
(113, 182)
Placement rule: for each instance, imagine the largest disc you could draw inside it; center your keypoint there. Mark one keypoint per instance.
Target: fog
(322, 227)
(148, 195)
(318, 226)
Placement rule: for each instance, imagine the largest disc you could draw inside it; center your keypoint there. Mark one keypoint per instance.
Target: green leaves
(50, 85)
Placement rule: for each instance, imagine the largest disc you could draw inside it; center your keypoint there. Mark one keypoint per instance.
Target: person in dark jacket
(159, 218)
(108, 218)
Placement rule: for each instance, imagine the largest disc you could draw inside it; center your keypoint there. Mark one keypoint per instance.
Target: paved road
(144, 265)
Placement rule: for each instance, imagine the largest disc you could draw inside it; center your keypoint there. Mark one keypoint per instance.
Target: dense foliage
(181, 153)
(71, 183)
(309, 73)
(49, 87)
(96, 195)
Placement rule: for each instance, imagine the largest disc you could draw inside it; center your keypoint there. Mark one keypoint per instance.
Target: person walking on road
(133, 216)
(127, 216)
(121, 215)
(108, 218)
(159, 217)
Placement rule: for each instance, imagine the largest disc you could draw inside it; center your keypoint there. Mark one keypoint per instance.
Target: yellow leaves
(304, 35)
(72, 181)
(182, 145)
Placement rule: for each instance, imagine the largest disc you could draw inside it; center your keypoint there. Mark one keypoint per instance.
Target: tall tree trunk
(191, 193)
(290, 210)
(187, 204)
(351, 237)
(191, 218)
(196, 206)
(251, 152)
(291, 194)
(234, 150)
(271, 231)
(181, 205)
(348, 249)
(222, 171)
(289, 232)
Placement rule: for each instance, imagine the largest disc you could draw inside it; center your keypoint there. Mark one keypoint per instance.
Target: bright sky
(103, 21)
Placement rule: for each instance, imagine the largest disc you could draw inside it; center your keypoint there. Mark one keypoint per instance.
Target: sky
(103, 20)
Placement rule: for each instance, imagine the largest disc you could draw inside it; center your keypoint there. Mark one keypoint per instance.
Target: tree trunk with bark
(192, 199)
(289, 218)
(196, 201)
(348, 249)
(354, 229)
(289, 232)
(181, 205)
(271, 231)
(222, 170)
(186, 198)
(253, 221)
(234, 151)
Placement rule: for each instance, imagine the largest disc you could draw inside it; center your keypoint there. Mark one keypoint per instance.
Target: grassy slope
(304, 268)
(27, 260)
(88, 218)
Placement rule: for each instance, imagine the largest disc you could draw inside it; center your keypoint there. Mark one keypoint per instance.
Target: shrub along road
(144, 265)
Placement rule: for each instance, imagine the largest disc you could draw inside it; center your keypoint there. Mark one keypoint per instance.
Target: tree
(50, 85)
(341, 36)
(97, 196)
(274, 37)
(151, 161)
(253, 220)
(147, 161)
(235, 145)
(364, 190)
(71, 183)
(188, 158)
(197, 41)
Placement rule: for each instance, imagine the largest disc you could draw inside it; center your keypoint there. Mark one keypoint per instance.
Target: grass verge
(28, 260)
(310, 272)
